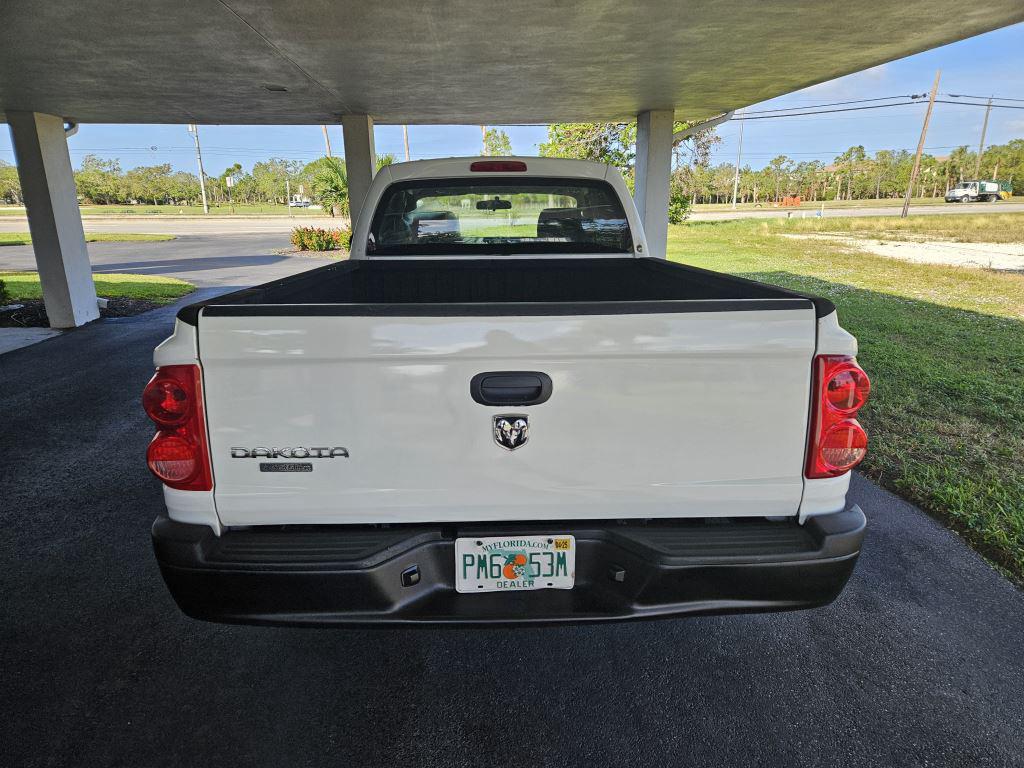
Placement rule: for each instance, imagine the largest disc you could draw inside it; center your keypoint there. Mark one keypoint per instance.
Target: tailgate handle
(510, 388)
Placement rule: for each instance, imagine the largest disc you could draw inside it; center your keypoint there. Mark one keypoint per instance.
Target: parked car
(299, 204)
(504, 410)
(983, 191)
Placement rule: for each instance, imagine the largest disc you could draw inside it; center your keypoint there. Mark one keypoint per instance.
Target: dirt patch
(1003, 256)
(32, 313)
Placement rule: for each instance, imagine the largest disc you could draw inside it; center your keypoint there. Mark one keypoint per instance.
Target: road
(188, 225)
(810, 210)
(203, 260)
(241, 225)
(917, 663)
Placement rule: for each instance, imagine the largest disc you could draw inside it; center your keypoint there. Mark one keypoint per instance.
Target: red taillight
(847, 387)
(497, 166)
(166, 401)
(173, 459)
(837, 442)
(178, 454)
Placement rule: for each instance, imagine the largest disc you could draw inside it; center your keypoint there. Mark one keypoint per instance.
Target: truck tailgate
(677, 414)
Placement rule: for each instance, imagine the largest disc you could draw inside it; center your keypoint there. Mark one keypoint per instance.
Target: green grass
(178, 210)
(963, 228)
(500, 230)
(885, 202)
(163, 290)
(944, 347)
(24, 238)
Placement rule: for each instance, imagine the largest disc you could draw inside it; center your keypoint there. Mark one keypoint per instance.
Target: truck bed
(515, 286)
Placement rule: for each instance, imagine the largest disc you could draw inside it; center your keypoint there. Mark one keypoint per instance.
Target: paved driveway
(918, 663)
(204, 260)
(242, 225)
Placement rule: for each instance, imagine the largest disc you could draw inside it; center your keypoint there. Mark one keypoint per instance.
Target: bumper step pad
(354, 574)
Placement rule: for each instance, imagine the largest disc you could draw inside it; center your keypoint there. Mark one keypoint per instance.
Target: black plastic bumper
(353, 574)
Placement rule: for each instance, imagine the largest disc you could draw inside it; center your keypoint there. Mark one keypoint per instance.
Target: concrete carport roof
(517, 61)
(467, 61)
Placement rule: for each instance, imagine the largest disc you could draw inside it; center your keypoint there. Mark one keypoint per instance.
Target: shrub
(4, 296)
(317, 239)
(678, 206)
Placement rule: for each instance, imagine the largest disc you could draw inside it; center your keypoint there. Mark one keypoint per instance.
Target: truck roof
(448, 167)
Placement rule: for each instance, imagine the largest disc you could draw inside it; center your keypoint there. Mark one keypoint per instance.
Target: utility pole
(327, 140)
(405, 137)
(483, 137)
(736, 178)
(920, 146)
(229, 182)
(981, 144)
(194, 130)
(288, 194)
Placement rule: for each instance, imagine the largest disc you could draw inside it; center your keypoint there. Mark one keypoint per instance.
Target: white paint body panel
(653, 415)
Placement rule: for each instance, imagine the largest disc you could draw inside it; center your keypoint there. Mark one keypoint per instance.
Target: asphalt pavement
(174, 224)
(205, 260)
(918, 663)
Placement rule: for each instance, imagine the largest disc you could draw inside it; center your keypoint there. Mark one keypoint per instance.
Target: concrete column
(360, 159)
(48, 186)
(653, 168)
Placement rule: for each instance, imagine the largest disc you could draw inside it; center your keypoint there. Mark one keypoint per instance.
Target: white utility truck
(504, 408)
(979, 191)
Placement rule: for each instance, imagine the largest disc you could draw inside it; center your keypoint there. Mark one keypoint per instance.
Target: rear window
(499, 215)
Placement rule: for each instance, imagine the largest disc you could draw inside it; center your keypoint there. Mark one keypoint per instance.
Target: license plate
(514, 563)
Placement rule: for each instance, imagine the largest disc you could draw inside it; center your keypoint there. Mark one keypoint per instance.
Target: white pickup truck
(503, 408)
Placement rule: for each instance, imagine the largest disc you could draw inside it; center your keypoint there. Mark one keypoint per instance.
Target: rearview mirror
(495, 204)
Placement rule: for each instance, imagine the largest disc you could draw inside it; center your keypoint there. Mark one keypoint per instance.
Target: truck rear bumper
(316, 575)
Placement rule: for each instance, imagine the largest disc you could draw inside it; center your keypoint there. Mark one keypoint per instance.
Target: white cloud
(851, 85)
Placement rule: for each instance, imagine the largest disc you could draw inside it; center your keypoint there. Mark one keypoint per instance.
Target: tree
(1005, 162)
(149, 182)
(183, 187)
(615, 144)
(611, 143)
(10, 185)
(270, 177)
(330, 184)
(778, 172)
(496, 143)
(678, 200)
(100, 181)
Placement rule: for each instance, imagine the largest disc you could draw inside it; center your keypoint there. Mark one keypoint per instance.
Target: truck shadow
(185, 265)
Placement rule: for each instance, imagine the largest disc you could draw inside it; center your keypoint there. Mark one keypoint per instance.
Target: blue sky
(984, 65)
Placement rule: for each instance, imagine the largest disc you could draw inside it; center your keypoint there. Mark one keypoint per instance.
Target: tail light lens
(497, 166)
(838, 442)
(178, 454)
(166, 401)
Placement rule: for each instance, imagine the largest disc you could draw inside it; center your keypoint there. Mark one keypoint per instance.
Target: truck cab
(503, 408)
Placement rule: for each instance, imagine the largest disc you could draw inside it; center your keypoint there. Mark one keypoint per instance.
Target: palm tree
(330, 185)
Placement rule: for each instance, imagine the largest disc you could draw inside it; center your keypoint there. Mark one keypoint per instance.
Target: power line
(835, 103)
(978, 104)
(968, 96)
(827, 111)
(832, 152)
